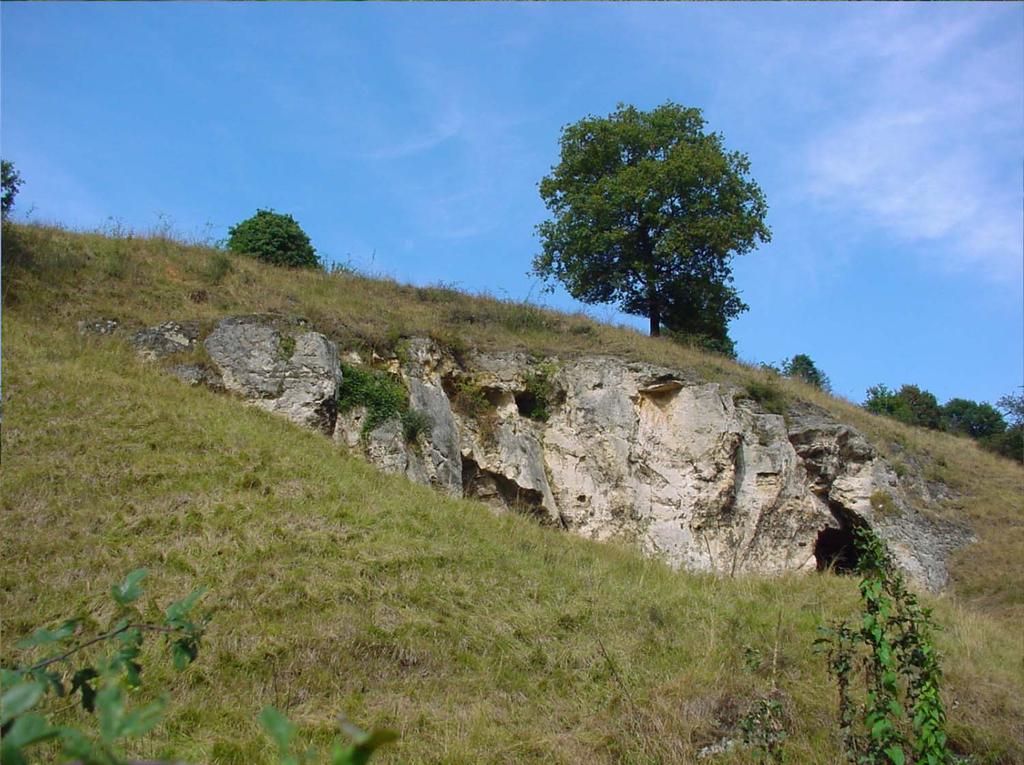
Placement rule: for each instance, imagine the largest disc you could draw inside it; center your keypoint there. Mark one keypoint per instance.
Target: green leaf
(278, 727)
(43, 636)
(110, 708)
(11, 754)
(180, 609)
(10, 677)
(76, 744)
(131, 638)
(82, 681)
(364, 745)
(19, 700)
(184, 652)
(141, 721)
(30, 729)
(129, 590)
(895, 754)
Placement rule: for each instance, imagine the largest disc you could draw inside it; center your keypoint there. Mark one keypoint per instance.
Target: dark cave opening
(835, 550)
(526, 403)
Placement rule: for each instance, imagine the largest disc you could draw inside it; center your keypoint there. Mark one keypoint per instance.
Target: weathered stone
(297, 376)
(194, 374)
(249, 356)
(98, 326)
(154, 343)
(386, 448)
(426, 394)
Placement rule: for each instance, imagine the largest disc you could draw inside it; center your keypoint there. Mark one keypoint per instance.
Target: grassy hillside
(337, 589)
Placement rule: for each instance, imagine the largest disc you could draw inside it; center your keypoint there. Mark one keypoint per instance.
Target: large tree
(648, 210)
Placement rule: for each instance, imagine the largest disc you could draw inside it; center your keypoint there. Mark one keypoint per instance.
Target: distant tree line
(801, 367)
(998, 428)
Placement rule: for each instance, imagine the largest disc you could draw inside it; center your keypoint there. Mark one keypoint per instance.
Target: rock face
(296, 375)
(693, 472)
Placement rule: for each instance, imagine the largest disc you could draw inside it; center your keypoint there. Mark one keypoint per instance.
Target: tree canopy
(275, 238)
(977, 420)
(910, 405)
(648, 209)
(10, 182)
(997, 428)
(802, 367)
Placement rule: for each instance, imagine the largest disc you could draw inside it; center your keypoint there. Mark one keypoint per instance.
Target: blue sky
(408, 140)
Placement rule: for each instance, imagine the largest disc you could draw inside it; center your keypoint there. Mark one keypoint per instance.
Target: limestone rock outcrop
(691, 471)
(294, 373)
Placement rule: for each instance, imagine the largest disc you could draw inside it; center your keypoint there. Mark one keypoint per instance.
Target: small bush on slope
(274, 238)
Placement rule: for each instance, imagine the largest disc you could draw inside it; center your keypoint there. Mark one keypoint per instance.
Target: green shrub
(537, 400)
(802, 367)
(910, 405)
(274, 238)
(384, 398)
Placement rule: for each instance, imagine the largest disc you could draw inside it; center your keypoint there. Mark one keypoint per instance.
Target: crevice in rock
(487, 485)
(835, 549)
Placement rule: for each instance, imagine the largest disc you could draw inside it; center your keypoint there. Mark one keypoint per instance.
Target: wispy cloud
(933, 150)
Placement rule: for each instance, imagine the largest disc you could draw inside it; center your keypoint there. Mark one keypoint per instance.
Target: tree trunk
(651, 277)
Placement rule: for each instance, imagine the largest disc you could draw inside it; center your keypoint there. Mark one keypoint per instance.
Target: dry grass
(335, 588)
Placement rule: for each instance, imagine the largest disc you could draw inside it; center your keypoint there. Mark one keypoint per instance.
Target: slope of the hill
(338, 589)
(63, 277)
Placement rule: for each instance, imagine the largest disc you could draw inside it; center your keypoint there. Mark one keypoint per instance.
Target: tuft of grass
(540, 395)
(470, 399)
(767, 392)
(882, 503)
(216, 267)
(414, 424)
(286, 347)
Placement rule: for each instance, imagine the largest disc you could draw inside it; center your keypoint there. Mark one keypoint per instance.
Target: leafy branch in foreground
(903, 712)
(102, 681)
